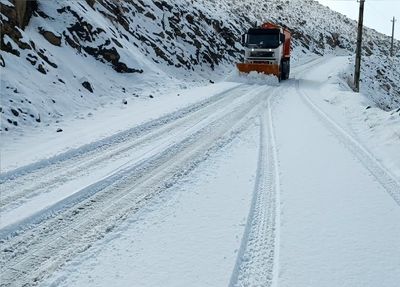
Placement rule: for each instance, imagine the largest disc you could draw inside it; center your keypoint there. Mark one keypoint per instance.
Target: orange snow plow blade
(260, 68)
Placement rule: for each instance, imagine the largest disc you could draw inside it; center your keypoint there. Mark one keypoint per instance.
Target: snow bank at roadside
(380, 80)
(378, 130)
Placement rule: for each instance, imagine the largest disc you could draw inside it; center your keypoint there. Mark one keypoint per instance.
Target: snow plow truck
(267, 50)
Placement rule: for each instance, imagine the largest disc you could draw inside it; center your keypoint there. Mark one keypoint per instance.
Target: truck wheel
(283, 76)
(285, 69)
(282, 69)
(282, 73)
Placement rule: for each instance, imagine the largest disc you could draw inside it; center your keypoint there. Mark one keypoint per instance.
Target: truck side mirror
(282, 38)
(243, 39)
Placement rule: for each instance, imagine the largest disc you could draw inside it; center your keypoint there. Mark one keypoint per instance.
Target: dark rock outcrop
(51, 37)
(18, 14)
(87, 86)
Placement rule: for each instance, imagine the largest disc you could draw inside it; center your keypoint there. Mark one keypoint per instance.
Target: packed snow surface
(239, 183)
(175, 234)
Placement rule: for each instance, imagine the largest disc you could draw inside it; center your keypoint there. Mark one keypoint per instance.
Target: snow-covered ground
(184, 237)
(104, 125)
(124, 164)
(340, 206)
(238, 183)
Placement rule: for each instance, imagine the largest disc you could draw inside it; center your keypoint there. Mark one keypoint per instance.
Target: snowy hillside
(74, 57)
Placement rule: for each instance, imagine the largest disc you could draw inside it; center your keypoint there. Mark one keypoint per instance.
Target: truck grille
(262, 54)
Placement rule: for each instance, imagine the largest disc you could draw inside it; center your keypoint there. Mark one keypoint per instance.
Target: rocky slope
(59, 58)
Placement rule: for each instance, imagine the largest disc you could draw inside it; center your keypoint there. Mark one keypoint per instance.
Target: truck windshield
(263, 40)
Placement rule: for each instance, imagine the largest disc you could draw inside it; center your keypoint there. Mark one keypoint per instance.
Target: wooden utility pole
(392, 45)
(358, 50)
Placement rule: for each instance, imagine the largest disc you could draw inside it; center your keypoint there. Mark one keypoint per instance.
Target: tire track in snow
(258, 256)
(36, 253)
(117, 138)
(388, 181)
(135, 166)
(59, 174)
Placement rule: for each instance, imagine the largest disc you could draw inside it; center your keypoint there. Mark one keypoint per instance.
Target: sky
(377, 15)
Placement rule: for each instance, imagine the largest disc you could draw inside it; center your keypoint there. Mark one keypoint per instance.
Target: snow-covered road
(254, 185)
(340, 225)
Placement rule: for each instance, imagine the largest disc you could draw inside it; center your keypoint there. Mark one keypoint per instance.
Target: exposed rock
(111, 55)
(7, 47)
(41, 69)
(18, 16)
(91, 2)
(151, 16)
(51, 37)
(87, 86)
(46, 59)
(24, 10)
(333, 41)
(15, 112)
(190, 19)
(2, 63)
(123, 68)
(32, 59)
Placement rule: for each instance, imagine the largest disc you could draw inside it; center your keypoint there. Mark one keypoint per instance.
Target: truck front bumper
(268, 69)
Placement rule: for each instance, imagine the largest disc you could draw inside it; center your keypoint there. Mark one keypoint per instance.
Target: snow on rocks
(114, 45)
